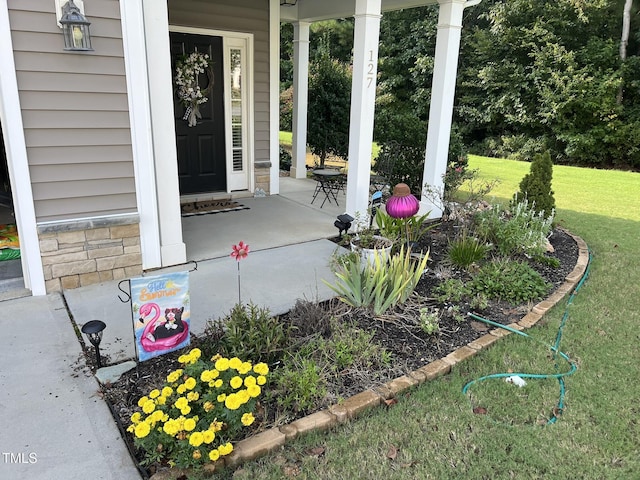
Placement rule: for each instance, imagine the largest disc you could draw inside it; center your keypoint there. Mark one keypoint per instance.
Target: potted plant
(369, 242)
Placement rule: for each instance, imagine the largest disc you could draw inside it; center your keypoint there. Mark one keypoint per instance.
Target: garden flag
(161, 314)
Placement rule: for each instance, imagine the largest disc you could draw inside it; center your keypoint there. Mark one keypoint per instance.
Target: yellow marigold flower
(232, 402)
(135, 418)
(190, 383)
(208, 436)
(214, 455)
(161, 400)
(171, 427)
(244, 368)
(214, 373)
(247, 419)
(181, 403)
(217, 356)
(182, 359)
(216, 426)
(195, 353)
(174, 376)
(222, 364)
(142, 401)
(225, 449)
(262, 379)
(186, 410)
(235, 382)
(261, 368)
(205, 376)
(218, 383)
(155, 393)
(254, 391)
(149, 406)
(142, 430)
(131, 428)
(222, 397)
(181, 388)
(196, 455)
(193, 396)
(196, 439)
(167, 391)
(235, 363)
(189, 424)
(208, 406)
(250, 380)
(157, 416)
(243, 395)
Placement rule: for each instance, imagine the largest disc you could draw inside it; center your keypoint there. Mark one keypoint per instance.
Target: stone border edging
(276, 437)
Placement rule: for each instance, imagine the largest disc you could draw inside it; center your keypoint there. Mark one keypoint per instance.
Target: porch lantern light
(343, 223)
(290, 3)
(93, 330)
(75, 28)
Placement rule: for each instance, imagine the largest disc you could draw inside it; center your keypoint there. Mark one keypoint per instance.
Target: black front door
(201, 149)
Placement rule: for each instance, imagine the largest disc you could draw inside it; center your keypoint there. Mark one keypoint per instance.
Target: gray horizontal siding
(247, 16)
(75, 112)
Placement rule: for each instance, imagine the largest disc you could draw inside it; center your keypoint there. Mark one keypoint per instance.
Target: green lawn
(432, 433)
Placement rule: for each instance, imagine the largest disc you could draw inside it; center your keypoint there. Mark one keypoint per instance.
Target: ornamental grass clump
(199, 411)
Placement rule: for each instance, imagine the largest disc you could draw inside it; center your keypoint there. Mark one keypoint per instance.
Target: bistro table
(329, 182)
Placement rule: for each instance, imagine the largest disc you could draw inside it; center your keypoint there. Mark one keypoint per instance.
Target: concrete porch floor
(270, 222)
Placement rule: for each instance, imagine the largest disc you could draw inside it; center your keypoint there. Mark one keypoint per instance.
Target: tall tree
(329, 107)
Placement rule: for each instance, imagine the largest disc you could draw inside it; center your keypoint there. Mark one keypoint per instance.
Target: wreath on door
(189, 91)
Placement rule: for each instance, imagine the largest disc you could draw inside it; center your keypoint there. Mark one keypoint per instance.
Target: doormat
(210, 206)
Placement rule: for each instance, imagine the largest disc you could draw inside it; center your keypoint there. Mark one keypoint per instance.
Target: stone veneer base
(274, 438)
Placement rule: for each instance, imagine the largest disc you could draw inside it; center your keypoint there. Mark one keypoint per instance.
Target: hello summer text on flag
(161, 314)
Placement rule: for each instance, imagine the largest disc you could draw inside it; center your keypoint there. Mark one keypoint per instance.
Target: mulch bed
(411, 349)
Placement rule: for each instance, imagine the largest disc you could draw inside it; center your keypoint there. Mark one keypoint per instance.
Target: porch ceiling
(314, 10)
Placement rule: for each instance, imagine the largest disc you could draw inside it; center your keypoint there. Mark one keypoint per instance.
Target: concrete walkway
(54, 423)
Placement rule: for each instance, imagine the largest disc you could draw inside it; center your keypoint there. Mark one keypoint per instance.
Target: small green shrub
(514, 282)
(465, 251)
(451, 290)
(351, 347)
(536, 185)
(248, 331)
(429, 321)
(309, 318)
(299, 384)
(518, 230)
(285, 159)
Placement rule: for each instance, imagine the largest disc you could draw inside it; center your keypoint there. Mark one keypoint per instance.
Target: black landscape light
(93, 330)
(343, 223)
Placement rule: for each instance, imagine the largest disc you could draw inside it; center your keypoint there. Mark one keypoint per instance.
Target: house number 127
(370, 70)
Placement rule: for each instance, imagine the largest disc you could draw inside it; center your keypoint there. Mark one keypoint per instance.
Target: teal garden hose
(555, 349)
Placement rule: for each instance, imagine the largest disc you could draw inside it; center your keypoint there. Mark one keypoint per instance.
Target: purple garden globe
(402, 203)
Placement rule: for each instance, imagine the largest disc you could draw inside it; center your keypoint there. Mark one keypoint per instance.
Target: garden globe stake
(403, 204)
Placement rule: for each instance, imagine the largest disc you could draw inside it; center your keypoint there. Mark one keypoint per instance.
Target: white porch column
(135, 57)
(363, 97)
(442, 95)
(274, 97)
(156, 22)
(300, 98)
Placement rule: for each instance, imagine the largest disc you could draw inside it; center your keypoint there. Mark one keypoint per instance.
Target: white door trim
(17, 161)
(244, 41)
